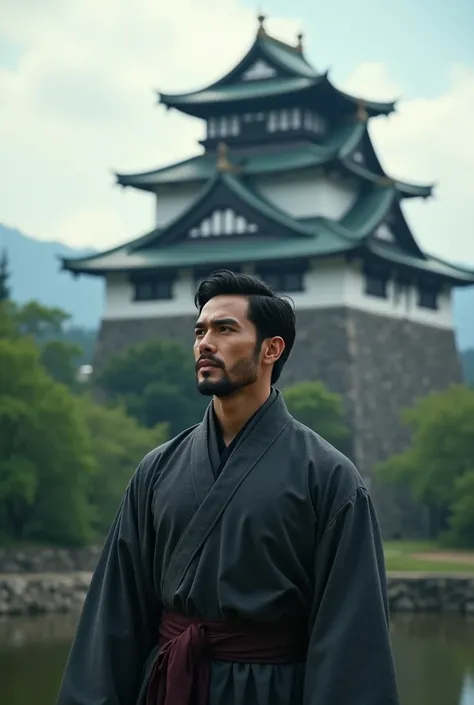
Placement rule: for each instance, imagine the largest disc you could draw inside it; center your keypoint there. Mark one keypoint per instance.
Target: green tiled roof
(430, 264)
(199, 102)
(217, 252)
(309, 237)
(288, 58)
(248, 90)
(339, 144)
(368, 212)
(202, 167)
(295, 75)
(405, 189)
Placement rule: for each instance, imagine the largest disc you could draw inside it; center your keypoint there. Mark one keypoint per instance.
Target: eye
(225, 329)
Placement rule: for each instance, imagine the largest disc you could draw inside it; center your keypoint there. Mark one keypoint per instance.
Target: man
(245, 564)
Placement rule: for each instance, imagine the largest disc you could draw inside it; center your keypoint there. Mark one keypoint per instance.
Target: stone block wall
(30, 594)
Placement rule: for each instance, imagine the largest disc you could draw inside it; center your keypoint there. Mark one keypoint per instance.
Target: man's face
(225, 347)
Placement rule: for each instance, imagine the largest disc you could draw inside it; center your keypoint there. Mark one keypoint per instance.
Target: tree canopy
(64, 459)
(155, 382)
(45, 452)
(315, 406)
(438, 466)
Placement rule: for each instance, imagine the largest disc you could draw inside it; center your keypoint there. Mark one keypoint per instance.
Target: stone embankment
(427, 592)
(36, 559)
(36, 581)
(45, 593)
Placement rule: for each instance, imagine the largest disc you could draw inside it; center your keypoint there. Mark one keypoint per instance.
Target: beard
(242, 374)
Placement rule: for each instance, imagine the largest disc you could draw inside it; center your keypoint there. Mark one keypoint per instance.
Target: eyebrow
(218, 322)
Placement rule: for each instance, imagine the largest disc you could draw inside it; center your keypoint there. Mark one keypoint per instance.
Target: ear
(272, 350)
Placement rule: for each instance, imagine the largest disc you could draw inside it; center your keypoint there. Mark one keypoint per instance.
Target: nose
(206, 344)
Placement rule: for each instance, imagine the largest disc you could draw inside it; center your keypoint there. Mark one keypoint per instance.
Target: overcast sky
(78, 82)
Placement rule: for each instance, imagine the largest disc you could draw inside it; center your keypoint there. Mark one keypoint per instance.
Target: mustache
(209, 358)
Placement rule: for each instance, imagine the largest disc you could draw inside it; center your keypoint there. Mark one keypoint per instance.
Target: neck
(233, 412)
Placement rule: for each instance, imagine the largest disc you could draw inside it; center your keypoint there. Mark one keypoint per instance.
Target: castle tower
(288, 186)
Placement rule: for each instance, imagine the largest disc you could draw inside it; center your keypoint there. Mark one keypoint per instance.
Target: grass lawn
(405, 556)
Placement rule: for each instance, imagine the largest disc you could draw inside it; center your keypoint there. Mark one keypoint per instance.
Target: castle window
(223, 127)
(272, 124)
(296, 118)
(152, 289)
(223, 222)
(284, 281)
(428, 298)
(376, 284)
(284, 120)
(234, 125)
(212, 128)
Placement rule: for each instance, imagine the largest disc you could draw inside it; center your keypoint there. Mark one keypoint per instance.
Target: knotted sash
(181, 672)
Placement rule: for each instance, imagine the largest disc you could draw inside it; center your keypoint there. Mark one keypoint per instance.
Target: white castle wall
(328, 284)
(307, 194)
(171, 203)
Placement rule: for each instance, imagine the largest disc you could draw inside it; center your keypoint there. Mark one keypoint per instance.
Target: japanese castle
(287, 186)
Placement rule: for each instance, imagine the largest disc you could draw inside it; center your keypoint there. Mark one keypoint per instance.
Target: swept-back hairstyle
(272, 315)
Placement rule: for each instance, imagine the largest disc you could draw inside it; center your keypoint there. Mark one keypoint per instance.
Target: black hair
(272, 315)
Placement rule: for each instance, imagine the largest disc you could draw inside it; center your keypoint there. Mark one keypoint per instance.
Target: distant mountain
(36, 275)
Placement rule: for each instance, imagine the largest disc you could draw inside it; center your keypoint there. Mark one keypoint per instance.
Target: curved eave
(202, 167)
(405, 189)
(368, 212)
(148, 180)
(429, 266)
(198, 103)
(324, 244)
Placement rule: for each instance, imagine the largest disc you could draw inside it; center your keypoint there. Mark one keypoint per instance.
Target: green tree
(118, 444)
(436, 464)
(315, 406)
(155, 381)
(41, 322)
(45, 454)
(59, 355)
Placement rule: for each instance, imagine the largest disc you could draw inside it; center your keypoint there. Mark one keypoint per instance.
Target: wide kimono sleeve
(350, 658)
(118, 625)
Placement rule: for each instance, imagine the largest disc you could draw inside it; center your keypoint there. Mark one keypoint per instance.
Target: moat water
(434, 656)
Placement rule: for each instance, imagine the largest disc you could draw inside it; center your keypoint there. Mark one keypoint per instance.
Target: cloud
(80, 103)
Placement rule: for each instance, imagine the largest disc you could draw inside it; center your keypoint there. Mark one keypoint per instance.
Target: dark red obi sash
(187, 647)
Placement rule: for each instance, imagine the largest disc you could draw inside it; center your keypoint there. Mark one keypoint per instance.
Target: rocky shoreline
(49, 593)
